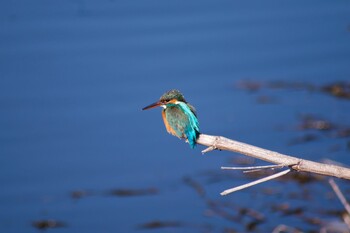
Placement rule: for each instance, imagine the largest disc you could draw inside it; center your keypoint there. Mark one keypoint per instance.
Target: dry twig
(339, 195)
(253, 168)
(346, 217)
(274, 176)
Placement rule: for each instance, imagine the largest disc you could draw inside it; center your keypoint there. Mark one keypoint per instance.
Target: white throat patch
(164, 105)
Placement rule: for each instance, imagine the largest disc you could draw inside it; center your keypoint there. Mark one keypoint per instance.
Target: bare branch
(222, 143)
(231, 190)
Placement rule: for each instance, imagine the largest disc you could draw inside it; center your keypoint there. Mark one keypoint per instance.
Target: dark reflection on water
(75, 75)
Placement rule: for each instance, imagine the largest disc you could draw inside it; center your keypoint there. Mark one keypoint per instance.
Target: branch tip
(208, 149)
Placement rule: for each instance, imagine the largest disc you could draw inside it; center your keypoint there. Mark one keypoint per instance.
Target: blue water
(75, 75)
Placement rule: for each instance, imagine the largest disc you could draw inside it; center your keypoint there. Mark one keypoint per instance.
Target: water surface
(75, 75)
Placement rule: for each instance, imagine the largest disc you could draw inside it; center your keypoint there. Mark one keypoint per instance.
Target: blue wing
(182, 121)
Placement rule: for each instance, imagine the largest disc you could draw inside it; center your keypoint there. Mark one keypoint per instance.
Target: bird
(179, 116)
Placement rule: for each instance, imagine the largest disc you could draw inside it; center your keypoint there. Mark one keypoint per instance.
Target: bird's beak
(156, 104)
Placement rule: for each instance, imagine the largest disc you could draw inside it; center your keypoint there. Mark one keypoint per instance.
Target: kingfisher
(179, 116)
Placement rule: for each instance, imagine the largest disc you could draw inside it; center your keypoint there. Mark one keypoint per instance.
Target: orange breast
(167, 126)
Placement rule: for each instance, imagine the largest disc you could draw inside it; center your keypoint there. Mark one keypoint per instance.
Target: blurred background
(78, 154)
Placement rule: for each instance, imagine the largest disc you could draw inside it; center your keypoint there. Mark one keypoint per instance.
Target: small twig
(228, 191)
(210, 148)
(254, 167)
(339, 195)
(255, 170)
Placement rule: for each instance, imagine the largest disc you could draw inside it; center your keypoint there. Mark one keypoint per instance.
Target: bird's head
(170, 97)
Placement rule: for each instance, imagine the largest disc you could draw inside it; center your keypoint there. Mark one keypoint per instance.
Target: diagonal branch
(222, 143)
(274, 176)
(339, 195)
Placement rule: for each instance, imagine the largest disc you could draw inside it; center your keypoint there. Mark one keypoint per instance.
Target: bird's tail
(192, 138)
